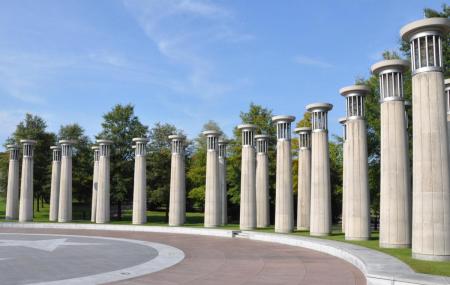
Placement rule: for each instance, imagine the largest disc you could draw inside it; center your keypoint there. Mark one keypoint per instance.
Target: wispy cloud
(310, 61)
(183, 31)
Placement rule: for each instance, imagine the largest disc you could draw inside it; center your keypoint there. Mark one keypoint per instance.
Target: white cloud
(306, 60)
(183, 31)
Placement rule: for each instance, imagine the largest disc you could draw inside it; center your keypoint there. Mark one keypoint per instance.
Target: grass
(81, 214)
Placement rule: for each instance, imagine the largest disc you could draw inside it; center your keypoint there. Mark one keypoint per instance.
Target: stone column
(304, 178)
(95, 183)
(357, 223)
(213, 200)
(247, 218)
(56, 180)
(223, 180)
(343, 121)
(65, 186)
(12, 194)
(140, 182)
(320, 223)
(431, 184)
(395, 188)
(284, 201)
(102, 214)
(447, 97)
(262, 181)
(26, 182)
(177, 204)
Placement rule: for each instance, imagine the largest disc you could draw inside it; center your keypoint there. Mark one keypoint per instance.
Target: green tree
(121, 125)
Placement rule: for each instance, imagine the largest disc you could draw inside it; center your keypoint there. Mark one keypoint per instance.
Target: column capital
(28, 147)
(304, 137)
(104, 142)
(283, 123)
(439, 25)
(66, 147)
(247, 134)
(354, 96)
(211, 133)
(319, 116)
(13, 151)
(67, 142)
(222, 147)
(425, 37)
(177, 143)
(262, 143)
(28, 142)
(390, 74)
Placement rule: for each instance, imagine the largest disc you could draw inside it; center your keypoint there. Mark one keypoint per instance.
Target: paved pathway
(212, 260)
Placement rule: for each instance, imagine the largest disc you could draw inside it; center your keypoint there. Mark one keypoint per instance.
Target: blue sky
(187, 61)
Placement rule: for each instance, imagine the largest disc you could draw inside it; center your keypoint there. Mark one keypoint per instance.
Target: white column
(284, 200)
(262, 181)
(395, 185)
(177, 202)
(304, 178)
(320, 222)
(357, 223)
(26, 182)
(54, 188)
(247, 218)
(95, 183)
(140, 182)
(65, 186)
(213, 200)
(103, 206)
(431, 182)
(12, 194)
(223, 180)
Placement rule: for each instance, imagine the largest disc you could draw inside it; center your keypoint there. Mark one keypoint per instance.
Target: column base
(392, 245)
(357, 238)
(53, 220)
(210, 226)
(64, 221)
(262, 226)
(302, 228)
(175, 225)
(430, 257)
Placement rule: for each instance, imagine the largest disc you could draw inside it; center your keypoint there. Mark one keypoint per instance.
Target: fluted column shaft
(212, 188)
(140, 182)
(26, 183)
(223, 181)
(54, 187)
(103, 192)
(177, 204)
(304, 189)
(262, 182)
(248, 189)
(395, 196)
(65, 186)
(357, 224)
(320, 223)
(12, 194)
(95, 184)
(431, 192)
(284, 200)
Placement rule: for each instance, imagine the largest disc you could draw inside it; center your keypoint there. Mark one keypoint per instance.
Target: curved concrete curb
(377, 267)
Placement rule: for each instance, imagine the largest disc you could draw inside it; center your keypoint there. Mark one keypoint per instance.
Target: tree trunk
(42, 202)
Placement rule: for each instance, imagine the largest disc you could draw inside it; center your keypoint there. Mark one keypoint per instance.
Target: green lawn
(81, 214)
